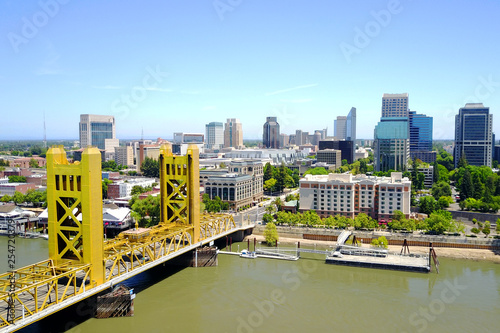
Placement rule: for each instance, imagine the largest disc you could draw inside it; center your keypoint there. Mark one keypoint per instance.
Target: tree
(6, 198)
(363, 169)
(105, 183)
(281, 177)
(441, 189)
(344, 162)
(266, 218)
(18, 197)
(380, 242)
(475, 231)
(269, 185)
(498, 226)
(33, 163)
(268, 171)
(316, 171)
(439, 222)
(222, 165)
(444, 202)
(150, 168)
(271, 234)
(147, 211)
(427, 205)
(278, 203)
(435, 172)
(462, 162)
(17, 179)
(466, 187)
(486, 230)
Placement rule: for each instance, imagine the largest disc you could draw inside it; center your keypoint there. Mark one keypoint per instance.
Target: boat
(247, 254)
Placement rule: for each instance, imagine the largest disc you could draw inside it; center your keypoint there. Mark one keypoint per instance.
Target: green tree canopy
(150, 168)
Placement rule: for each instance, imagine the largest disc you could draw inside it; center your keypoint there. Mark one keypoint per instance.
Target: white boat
(247, 254)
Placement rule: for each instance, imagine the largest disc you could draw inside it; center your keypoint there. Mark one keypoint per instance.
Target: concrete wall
(468, 216)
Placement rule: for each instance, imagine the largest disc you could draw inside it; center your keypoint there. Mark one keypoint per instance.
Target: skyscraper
(233, 133)
(392, 146)
(350, 125)
(340, 129)
(395, 105)
(271, 135)
(473, 134)
(214, 135)
(420, 132)
(98, 131)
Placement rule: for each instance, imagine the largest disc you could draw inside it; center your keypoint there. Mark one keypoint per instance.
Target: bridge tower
(74, 201)
(180, 189)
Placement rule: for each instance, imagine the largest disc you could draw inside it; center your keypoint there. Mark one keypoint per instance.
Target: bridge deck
(63, 290)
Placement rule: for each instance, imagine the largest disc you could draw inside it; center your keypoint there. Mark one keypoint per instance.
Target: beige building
(143, 151)
(233, 133)
(348, 195)
(329, 156)
(124, 155)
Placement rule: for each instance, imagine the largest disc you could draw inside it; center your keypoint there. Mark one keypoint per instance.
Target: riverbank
(454, 253)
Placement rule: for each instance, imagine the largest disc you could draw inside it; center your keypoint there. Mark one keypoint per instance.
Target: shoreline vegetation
(453, 253)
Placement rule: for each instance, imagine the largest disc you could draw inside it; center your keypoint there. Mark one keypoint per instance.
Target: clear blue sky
(302, 61)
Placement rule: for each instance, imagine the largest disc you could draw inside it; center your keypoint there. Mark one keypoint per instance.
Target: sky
(175, 65)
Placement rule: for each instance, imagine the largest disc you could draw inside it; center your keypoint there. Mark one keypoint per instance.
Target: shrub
(380, 242)
(475, 230)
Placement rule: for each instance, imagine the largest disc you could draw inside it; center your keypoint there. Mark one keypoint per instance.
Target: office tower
(233, 133)
(271, 135)
(421, 137)
(346, 148)
(473, 134)
(298, 138)
(340, 128)
(316, 138)
(284, 140)
(214, 135)
(420, 132)
(395, 105)
(98, 131)
(350, 125)
(392, 144)
(124, 155)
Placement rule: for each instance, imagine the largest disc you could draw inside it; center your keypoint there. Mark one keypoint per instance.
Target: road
(255, 213)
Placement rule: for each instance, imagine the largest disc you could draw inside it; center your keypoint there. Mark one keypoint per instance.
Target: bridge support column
(180, 189)
(74, 201)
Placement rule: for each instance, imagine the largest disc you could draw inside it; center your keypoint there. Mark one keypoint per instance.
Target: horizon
(162, 65)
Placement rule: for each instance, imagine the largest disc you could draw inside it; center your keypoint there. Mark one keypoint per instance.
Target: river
(266, 295)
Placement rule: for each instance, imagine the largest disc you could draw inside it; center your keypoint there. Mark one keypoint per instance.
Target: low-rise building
(24, 162)
(123, 188)
(330, 156)
(348, 195)
(11, 188)
(240, 185)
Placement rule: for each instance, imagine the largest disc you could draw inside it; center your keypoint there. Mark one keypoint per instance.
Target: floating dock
(391, 261)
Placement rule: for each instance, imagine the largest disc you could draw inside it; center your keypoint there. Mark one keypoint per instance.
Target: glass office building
(473, 135)
(392, 148)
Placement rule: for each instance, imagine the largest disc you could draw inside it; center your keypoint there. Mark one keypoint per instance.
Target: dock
(391, 261)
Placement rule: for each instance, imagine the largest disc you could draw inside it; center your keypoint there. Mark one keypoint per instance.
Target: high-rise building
(420, 132)
(347, 148)
(95, 129)
(284, 140)
(350, 125)
(298, 138)
(271, 135)
(233, 133)
(473, 134)
(395, 105)
(340, 130)
(392, 144)
(214, 135)
(99, 131)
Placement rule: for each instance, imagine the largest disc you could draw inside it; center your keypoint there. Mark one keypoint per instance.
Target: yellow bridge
(81, 263)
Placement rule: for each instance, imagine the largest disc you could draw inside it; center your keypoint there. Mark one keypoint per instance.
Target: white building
(348, 195)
